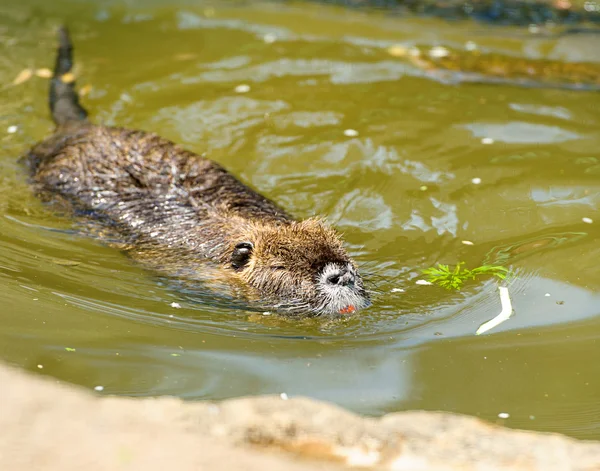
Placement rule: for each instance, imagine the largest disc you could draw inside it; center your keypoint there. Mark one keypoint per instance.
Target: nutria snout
(175, 210)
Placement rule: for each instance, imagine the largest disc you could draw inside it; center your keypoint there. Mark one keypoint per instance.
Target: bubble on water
(12, 129)
(176, 305)
(397, 50)
(284, 396)
(487, 140)
(99, 388)
(423, 282)
(438, 52)
(23, 76)
(476, 181)
(466, 242)
(587, 220)
(269, 38)
(350, 132)
(504, 415)
(243, 88)
(44, 73)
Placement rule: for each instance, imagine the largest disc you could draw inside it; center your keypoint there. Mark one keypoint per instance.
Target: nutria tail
(64, 101)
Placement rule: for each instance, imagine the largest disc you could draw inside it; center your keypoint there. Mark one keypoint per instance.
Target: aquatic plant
(454, 278)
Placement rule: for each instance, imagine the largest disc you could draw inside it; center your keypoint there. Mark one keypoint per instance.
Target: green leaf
(448, 278)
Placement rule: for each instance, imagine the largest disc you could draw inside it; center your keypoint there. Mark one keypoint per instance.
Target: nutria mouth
(176, 210)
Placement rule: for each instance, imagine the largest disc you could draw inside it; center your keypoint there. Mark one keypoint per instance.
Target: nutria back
(145, 185)
(174, 210)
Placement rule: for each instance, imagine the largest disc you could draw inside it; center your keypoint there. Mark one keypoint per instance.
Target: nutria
(178, 210)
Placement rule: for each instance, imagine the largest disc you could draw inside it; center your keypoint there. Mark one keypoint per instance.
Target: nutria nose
(341, 277)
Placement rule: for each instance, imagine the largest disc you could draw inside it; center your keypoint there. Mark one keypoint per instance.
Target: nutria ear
(241, 254)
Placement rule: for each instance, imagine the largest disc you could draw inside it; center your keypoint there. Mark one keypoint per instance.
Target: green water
(314, 72)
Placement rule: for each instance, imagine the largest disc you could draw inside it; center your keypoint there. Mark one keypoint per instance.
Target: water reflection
(475, 369)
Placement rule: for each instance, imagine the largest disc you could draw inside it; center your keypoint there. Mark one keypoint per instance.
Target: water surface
(400, 189)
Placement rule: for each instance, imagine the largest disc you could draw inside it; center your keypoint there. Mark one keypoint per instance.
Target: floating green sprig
(449, 278)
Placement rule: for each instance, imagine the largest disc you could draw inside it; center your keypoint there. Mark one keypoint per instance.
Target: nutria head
(299, 267)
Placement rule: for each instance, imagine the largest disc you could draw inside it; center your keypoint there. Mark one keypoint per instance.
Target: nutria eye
(241, 254)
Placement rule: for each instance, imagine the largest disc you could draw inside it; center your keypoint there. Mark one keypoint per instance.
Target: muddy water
(400, 188)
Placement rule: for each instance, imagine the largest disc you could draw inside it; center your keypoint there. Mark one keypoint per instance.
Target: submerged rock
(502, 12)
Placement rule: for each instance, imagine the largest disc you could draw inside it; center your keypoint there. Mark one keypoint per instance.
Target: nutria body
(180, 210)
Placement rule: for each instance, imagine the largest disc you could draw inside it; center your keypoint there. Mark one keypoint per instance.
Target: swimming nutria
(179, 208)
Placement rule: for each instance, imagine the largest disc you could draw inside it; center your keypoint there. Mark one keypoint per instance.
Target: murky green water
(314, 72)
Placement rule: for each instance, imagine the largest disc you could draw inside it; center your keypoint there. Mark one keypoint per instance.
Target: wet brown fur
(174, 209)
